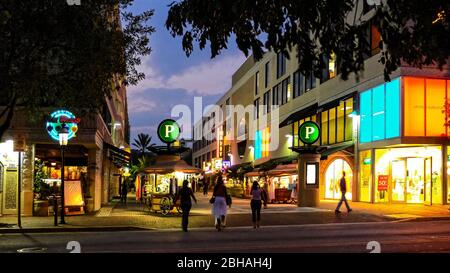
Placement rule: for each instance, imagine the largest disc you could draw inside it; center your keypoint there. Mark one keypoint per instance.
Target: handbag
(212, 200)
(229, 201)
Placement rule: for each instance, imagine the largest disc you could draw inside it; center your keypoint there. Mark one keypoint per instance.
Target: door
(428, 187)
(398, 186)
(415, 180)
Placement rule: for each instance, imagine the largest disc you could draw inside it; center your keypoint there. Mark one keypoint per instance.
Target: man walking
(343, 186)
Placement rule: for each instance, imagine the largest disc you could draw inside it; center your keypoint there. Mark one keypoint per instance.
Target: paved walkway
(117, 216)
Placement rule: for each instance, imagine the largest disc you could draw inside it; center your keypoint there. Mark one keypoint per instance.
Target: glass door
(415, 180)
(398, 187)
(428, 188)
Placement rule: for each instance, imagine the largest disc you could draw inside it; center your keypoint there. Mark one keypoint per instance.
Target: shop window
(324, 126)
(340, 131)
(380, 113)
(332, 126)
(295, 134)
(348, 119)
(365, 167)
(425, 108)
(333, 175)
(435, 116)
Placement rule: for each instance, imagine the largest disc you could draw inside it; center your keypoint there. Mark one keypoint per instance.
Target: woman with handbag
(257, 196)
(219, 201)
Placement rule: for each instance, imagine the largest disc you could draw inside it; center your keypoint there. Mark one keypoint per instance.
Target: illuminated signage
(168, 131)
(226, 164)
(312, 173)
(309, 132)
(60, 119)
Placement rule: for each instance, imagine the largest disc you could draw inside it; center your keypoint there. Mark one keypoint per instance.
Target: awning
(172, 166)
(117, 156)
(335, 102)
(337, 148)
(254, 173)
(284, 170)
(304, 113)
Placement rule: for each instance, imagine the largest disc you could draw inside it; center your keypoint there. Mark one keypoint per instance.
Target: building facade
(391, 138)
(96, 156)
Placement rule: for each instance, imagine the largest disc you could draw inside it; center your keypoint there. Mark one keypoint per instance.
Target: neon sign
(60, 119)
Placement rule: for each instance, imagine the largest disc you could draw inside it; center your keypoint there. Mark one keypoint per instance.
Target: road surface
(429, 236)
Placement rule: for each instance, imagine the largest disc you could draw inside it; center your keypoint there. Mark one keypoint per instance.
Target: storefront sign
(309, 132)
(19, 143)
(367, 161)
(226, 164)
(168, 131)
(62, 118)
(218, 164)
(312, 172)
(383, 182)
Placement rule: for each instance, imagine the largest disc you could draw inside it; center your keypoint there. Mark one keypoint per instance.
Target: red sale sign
(383, 182)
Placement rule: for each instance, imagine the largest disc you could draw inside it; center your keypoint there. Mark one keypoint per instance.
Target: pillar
(27, 181)
(95, 164)
(308, 195)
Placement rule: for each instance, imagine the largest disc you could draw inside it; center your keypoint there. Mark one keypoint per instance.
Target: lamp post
(63, 140)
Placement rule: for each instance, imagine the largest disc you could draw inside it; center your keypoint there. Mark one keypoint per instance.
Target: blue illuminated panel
(380, 112)
(393, 108)
(378, 115)
(365, 132)
(258, 145)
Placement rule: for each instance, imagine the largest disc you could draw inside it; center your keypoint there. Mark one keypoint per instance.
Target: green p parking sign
(168, 131)
(309, 132)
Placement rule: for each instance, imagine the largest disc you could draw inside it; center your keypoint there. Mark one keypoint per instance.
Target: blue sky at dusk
(172, 78)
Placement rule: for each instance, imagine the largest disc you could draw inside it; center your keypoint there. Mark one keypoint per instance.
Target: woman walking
(185, 195)
(220, 204)
(255, 204)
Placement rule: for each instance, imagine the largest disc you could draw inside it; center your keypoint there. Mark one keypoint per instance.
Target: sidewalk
(133, 216)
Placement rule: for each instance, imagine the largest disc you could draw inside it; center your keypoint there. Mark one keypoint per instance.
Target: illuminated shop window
(258, 145)
(365, 184)
(380, 112)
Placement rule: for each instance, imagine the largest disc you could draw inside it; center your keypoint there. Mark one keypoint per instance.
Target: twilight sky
(172, 78)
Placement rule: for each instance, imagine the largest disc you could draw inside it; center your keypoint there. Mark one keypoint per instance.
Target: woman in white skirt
(219, 209)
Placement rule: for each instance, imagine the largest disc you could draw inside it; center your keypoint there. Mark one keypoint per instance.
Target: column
(308, 194)
(27, 181)
(95, 160)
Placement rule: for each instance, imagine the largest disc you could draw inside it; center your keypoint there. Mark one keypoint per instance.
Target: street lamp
(63, 140)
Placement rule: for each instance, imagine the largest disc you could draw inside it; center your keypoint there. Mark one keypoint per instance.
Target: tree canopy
(73, 56)
(412, 31)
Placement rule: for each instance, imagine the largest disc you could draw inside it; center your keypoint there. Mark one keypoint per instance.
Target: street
(429, 236)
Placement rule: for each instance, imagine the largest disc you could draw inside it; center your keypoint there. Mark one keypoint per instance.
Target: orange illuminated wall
(265, 142)
(424, 107)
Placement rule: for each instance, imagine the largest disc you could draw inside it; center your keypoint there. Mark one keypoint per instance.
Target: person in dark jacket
(124, 192)
(343, 186)
(257, 197)
(185, 194)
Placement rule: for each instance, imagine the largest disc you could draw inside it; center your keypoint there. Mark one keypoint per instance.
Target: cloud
(139, 104)
(212, 77)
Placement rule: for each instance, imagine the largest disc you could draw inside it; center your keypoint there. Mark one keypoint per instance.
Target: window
(373, 39)
(276, 96)
(262, 143)
(256, 83)
(285, 92)
(267, 75)
(380, 112)
(256, 109)
(281, 64)
(267, 102)
(299, 84)
(295, 141)
(329, 71)
(336, 124)
(310, 81)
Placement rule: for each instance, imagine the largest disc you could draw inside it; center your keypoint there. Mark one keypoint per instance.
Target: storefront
(8, 178)
(403, 153)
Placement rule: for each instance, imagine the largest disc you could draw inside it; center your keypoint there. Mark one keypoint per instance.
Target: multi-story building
(391, 138)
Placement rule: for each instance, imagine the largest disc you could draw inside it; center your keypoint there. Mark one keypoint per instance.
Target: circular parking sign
(168, 131)
(309, 132)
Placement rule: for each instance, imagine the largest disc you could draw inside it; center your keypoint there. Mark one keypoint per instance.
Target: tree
(143, 143)
(59, 55)
(411, 31)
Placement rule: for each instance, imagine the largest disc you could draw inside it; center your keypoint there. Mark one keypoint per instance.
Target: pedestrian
(257, 196)
(219, 201)
(343, 186)
(193, 184)
(185, 194)
(124, 192)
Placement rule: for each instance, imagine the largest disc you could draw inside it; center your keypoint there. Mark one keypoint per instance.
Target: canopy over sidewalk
(165, 167)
